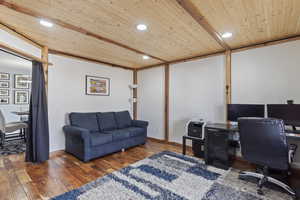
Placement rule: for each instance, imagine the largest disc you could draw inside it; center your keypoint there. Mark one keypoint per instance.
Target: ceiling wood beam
(22, 53)
(24, 37)
(192, 10)
(183, 60)
(244, 48)
(66, 25)
(268, 43)
(56, 52)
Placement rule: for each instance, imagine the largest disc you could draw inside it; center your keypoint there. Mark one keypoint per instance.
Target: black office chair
(263, 142)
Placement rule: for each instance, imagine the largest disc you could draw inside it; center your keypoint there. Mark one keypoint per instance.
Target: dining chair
(10, 127)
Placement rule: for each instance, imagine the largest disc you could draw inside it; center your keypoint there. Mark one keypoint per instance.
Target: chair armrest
(292, 151)
(140, 123)
(78, 132)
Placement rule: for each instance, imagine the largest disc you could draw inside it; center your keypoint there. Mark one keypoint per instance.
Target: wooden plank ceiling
(106, 29)
(252, 21)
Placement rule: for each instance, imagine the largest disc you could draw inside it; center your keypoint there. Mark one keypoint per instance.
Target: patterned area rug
(168, 175)
(13, 147)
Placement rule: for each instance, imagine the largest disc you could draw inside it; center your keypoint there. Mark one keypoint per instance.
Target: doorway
(15, 92)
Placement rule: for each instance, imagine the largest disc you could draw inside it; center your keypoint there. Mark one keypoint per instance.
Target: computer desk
(230, 129)
(221, 142)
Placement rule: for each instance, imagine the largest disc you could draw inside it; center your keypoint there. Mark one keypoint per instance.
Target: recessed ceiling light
(141, 27)
(145, 57)
(46, 23)
(227, 35)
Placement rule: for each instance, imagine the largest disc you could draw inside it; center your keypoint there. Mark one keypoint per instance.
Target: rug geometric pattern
(169, 175)
(13, 147)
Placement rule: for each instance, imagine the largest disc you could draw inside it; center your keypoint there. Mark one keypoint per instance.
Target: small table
(186, 137)
(21, 113)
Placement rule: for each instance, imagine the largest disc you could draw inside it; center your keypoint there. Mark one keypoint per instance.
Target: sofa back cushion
(85, 120)
(123, 119)
(107, 121)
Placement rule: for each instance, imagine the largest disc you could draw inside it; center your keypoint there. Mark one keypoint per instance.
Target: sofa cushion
(119, 134)
(107, 121)
(123, 119)
(100, 138)
(85, 120)
(135, 131)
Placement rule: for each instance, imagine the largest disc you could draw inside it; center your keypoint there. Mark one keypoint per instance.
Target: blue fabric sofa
(92, 135)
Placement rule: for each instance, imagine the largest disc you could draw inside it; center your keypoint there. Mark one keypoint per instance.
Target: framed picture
(97, 86)
(22, 81)
(4, 84)
(21, 97)
(4, 100)
(4, 92)
(4, 76)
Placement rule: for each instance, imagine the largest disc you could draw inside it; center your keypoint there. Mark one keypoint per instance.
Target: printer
(195, 128)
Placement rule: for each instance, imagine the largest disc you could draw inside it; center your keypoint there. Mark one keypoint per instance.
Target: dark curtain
(37, 149)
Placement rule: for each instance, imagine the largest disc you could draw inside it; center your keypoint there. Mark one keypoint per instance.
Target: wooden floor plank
(63, 172)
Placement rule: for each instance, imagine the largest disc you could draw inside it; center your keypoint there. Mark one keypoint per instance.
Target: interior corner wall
(197, 90)
(267, 75)
(66, 93)
(151, 100)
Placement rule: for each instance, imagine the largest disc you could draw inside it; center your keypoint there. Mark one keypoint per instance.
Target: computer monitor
(235, 111)
(289, 113)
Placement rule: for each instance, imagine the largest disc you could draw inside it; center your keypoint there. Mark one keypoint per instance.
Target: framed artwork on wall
(97, 86)
(21, 97)
(22, 81)
(4, 76)
(4, 92)
(4, 84)
(4, 100)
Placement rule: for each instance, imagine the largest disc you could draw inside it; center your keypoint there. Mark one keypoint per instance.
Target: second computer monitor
(235, 111)
(289, 113)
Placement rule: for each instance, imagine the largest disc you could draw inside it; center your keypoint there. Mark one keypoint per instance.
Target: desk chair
(10, 128)
(263, 142)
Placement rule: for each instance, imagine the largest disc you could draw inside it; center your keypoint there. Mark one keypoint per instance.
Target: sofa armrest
(140, 123)
(78, 132)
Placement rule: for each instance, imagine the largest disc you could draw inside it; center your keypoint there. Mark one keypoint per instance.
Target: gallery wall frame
(4, 84)
(4, 100)
(21, 97)
(4, 92)
(22, 81)
(4, 76)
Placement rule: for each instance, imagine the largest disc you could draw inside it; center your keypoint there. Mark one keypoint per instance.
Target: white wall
(197, 90)
(267, 75)
(151, 100)
(67, 93)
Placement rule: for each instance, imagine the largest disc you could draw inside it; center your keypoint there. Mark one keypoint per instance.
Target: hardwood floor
(63, 172)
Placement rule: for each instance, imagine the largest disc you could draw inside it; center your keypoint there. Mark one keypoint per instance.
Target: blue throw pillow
(107, 121)
(123, 119)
